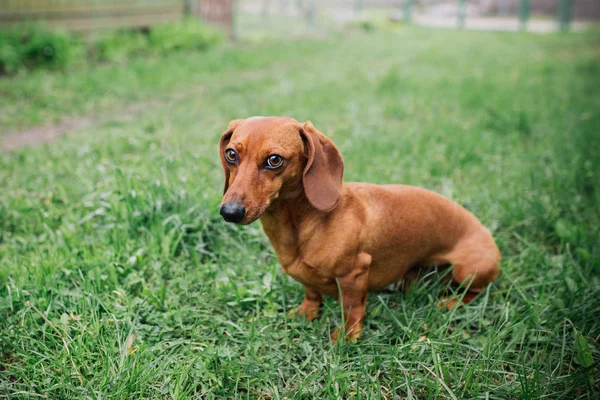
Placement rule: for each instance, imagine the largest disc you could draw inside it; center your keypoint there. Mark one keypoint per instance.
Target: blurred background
(26, 25)
(119, 279)
(240, 16)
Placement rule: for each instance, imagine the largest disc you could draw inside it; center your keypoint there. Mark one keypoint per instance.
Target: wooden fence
(89, 15)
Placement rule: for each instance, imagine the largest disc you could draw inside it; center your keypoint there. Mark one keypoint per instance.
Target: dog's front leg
(310, 306)
(354, 304)
(353, 298)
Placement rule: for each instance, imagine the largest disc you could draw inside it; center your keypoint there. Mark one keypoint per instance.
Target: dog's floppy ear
(324, 169)
(223, 145)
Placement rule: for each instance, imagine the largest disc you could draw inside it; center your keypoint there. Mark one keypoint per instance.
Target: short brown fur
(355, 238)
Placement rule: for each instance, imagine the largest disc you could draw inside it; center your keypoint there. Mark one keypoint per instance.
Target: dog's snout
(233, 212)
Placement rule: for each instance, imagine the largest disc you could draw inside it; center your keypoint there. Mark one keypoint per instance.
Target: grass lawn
(119, 279)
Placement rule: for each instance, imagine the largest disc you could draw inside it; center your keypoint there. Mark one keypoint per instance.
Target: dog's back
(406, 226)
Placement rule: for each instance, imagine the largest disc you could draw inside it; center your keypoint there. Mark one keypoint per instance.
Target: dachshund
(344, 239)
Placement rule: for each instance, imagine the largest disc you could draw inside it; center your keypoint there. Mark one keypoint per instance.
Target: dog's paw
(310, 314)
(450, 302)
(447, 302)
(352, 336)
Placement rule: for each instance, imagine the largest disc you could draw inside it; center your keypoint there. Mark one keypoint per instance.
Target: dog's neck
(287, 223)
(288, 213)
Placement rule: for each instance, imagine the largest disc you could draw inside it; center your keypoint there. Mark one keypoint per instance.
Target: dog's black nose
(233, 212)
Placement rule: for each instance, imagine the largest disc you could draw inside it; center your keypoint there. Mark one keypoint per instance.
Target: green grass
(113, 233)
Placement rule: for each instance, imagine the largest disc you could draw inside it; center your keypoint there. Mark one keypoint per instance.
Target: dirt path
(50, 132)
(42, 134)
(494, 24)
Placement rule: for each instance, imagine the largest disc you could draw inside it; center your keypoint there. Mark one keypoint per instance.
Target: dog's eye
(231, 156)
(274, 161)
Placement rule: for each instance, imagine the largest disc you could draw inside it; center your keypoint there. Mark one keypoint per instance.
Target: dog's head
(270, 158)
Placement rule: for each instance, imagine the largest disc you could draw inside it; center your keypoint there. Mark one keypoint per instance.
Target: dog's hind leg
(408, 279)
(476, 265)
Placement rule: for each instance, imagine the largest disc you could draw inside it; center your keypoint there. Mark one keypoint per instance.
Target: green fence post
(357, 6)
(565, 13)
(524, 12)
(311, 12)
(462, 13)
(187, 8)
(408, 11)
(234, 32)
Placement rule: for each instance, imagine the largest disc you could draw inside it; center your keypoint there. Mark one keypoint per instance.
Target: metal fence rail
(536, 15)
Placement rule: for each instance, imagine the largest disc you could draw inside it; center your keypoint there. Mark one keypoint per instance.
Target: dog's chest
(307, 274)
(305, 270)
(300, 251)
(285, 246)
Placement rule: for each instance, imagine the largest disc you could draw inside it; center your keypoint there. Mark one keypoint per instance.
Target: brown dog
(348, 238)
